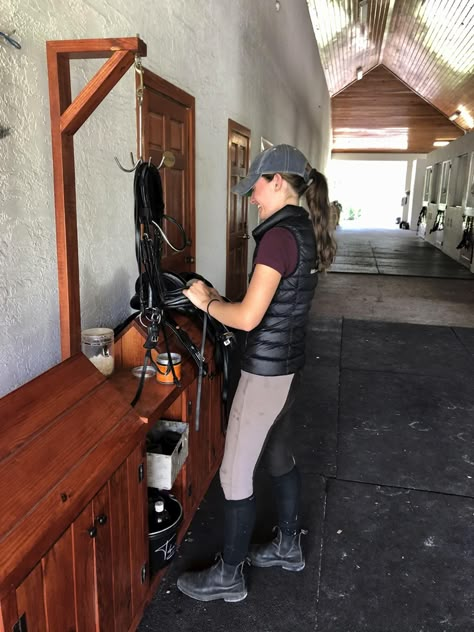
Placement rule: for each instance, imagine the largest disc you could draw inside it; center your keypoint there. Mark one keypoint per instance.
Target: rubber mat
(407, 430)
(404, 348)
(314, 440)
(466, 336)
(275, 596)
(395, 561)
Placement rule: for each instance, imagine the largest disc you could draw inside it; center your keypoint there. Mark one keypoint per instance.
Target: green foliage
(354, 214)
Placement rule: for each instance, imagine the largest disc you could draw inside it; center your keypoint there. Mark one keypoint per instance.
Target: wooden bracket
(67, 116)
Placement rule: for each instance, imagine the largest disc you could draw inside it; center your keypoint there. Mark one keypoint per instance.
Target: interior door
(237, 210)
(168, 125)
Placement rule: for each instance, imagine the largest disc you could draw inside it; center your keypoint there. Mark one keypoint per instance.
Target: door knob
(189, 259)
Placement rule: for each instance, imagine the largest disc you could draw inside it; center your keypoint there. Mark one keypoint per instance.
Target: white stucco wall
(241, 59)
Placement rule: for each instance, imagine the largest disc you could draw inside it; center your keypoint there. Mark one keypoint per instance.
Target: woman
(291, 246)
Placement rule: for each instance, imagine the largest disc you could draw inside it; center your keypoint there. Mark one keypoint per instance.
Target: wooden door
(168, 124)
(238, 153)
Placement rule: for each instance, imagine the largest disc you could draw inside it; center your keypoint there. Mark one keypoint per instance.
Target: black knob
(92, 532)
(101, 519)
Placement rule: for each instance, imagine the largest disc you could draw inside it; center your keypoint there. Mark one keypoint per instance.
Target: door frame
(233, 126)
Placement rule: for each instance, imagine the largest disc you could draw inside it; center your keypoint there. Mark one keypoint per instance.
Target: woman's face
(264, 196)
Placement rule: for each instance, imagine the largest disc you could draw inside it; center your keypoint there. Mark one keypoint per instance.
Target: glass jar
(98, 345)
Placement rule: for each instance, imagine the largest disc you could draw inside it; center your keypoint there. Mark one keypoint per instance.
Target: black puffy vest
(276, 345)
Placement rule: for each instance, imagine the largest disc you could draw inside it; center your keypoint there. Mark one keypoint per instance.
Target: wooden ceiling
(416, 58)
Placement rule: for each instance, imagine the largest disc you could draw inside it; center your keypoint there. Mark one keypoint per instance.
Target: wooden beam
(66, 118)
(97, 48)
(95, 91)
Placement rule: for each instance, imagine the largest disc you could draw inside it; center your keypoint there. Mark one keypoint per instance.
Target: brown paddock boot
(284, 550)
(220, 581)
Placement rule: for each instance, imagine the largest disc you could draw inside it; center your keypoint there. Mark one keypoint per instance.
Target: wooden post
(67, 116)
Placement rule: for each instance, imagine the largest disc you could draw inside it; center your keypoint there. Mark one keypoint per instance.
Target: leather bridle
(159, 292)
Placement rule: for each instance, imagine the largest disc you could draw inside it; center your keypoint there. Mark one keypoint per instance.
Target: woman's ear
(277, 181)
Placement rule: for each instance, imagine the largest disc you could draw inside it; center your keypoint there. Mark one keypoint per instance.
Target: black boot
(221, 581)
(284, 551)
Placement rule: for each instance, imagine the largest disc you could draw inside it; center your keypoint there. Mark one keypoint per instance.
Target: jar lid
(150, 371)
(163, 359)
(97, 335)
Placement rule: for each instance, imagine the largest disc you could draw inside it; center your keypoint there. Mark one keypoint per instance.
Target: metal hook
(10, 40)
(140, 92)
(139, 96)
(135, 164)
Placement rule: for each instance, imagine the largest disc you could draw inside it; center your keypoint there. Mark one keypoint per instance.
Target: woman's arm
(247, 314)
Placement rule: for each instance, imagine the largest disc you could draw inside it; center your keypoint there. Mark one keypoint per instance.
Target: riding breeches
(259, 427)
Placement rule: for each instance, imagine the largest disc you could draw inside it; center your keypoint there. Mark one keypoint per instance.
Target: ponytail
(317, 198)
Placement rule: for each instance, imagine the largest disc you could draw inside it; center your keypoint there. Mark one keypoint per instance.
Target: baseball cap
(277, 159)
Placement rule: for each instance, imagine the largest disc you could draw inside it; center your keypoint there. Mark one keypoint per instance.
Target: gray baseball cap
(277, 159)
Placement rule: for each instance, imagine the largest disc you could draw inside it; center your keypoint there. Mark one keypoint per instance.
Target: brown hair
(317, 198)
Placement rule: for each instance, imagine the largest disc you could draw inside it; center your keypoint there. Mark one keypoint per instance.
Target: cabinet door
(94, 577)
(138, 510)
(100, 532)
(29, 597)
(58, 585)
(84, 550)
(197, 453)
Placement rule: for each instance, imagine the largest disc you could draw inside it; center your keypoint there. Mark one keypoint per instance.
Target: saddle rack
(67, 117)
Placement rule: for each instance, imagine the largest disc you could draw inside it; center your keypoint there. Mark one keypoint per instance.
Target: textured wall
(240, 58)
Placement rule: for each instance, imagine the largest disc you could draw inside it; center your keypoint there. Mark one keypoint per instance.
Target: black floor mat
(396, 561)
(404, 348)
(407, 430)
(276, 598)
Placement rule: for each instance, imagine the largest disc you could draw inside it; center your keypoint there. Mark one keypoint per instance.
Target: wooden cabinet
(94, 577)
(73, 486)
(73, 526)
(206, 444)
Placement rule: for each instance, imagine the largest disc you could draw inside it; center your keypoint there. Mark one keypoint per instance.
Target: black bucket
(162, 543)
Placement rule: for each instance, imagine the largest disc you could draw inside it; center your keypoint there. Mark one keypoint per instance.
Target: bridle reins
(161, 291)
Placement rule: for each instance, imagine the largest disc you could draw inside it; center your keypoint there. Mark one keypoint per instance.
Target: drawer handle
(101, 519)
(92, 532)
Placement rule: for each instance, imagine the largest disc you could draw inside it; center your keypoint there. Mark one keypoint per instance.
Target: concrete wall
(453, 214)
(241, 59)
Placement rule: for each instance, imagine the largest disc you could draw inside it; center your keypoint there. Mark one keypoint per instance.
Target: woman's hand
(200, 294)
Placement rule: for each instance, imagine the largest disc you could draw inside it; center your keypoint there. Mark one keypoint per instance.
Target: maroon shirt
(278, 250)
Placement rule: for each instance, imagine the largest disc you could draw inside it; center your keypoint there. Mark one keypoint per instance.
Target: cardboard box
(162, 469)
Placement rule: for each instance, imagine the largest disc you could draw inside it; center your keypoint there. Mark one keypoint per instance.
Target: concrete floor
(395, 297)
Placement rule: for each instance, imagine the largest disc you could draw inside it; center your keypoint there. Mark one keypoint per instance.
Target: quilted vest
(276, 346)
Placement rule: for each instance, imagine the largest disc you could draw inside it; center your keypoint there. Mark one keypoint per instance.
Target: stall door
(168, 125)
(237, 210)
